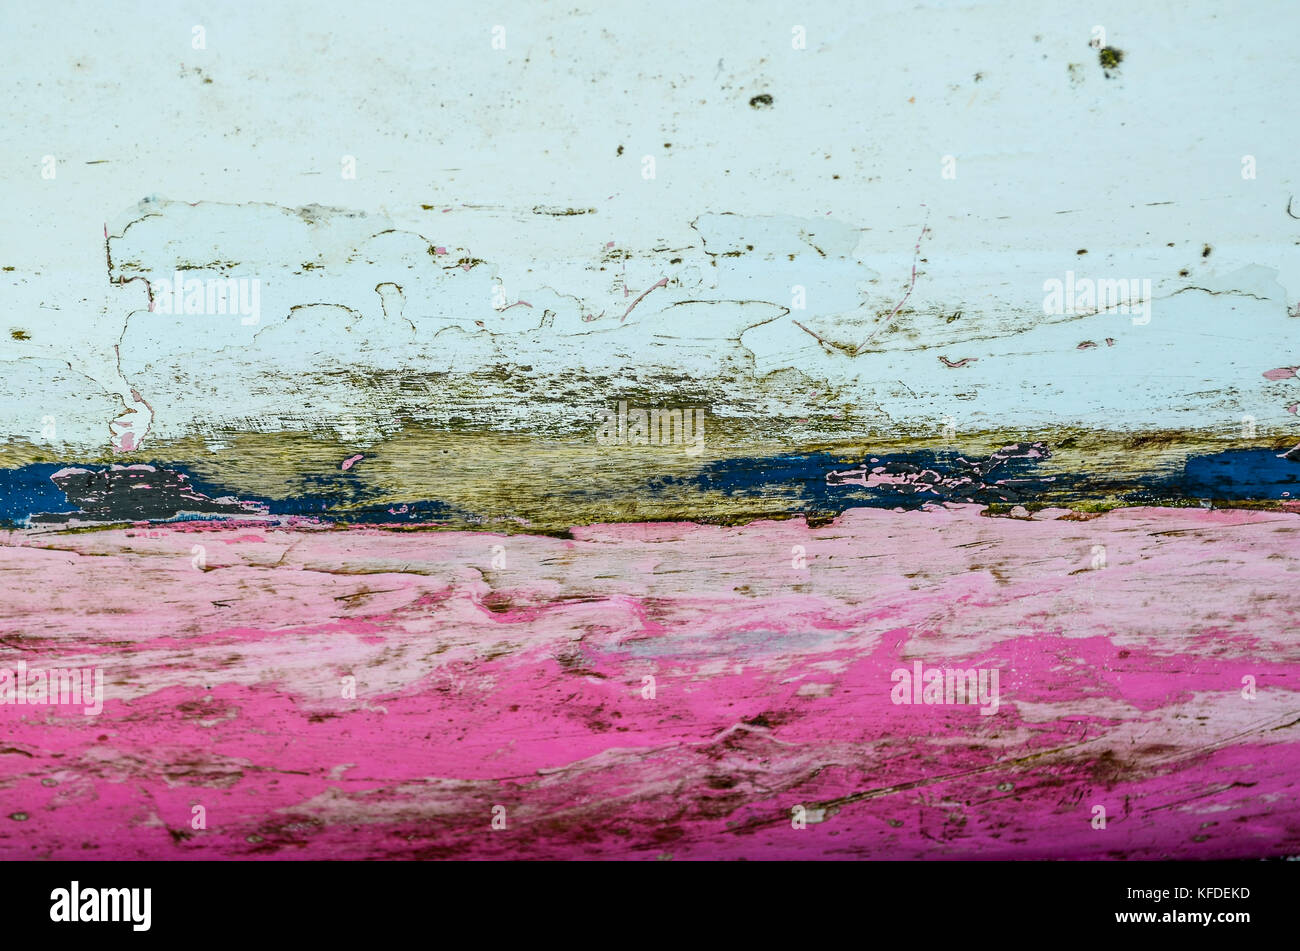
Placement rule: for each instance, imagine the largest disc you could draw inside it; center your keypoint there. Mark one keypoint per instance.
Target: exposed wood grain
(522, 686)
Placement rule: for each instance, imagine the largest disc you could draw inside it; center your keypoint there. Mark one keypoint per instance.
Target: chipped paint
(306, 445)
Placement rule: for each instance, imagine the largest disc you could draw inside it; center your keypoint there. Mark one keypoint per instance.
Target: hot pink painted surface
(522, 687)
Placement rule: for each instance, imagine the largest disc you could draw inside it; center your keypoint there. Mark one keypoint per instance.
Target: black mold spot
(1205, 252)
(19, 335)
(761, 101)
(1110, 58)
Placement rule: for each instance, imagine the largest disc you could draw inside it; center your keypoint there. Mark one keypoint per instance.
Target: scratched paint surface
(336, 367)
(522, 686)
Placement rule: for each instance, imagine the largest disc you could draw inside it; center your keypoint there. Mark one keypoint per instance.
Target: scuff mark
(916, 251)
(662, 282)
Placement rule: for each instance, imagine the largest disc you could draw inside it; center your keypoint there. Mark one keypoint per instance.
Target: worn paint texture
(649, 431)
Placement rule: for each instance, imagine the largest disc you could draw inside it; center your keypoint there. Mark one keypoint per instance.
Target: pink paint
(1120, 686)
(351, 461)
(1281, 373)
(662, 282)
(916, 252)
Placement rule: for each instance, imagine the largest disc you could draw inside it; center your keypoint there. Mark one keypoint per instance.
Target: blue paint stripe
(793, 483)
